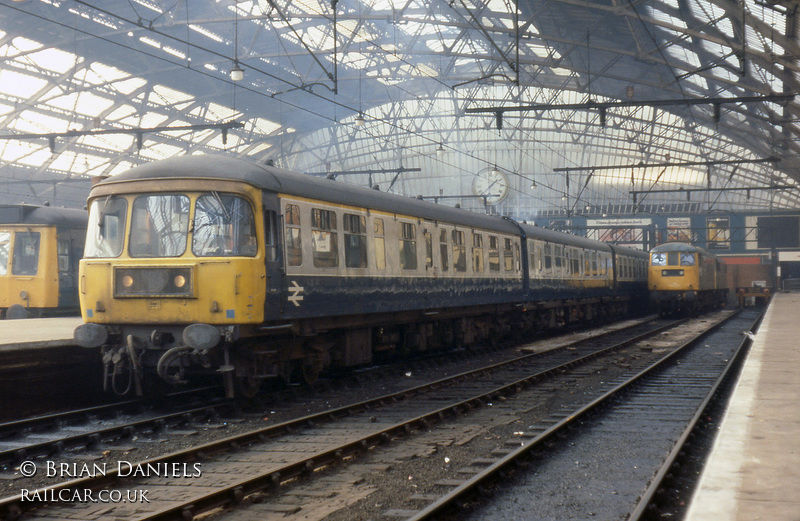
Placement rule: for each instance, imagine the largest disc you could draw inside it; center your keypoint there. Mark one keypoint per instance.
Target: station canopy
(524, 108)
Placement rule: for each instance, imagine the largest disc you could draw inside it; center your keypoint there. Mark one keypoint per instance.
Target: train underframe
(680, 303)
(138, 359)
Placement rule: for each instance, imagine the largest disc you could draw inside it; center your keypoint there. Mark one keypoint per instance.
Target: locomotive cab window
(324, 238)
(355, 241)
(104, 235)
(224, 227)
(159, 226)
(26, 253)
(687, 259)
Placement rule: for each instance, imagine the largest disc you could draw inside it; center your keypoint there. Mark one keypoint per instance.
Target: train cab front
(168, 281)
(673, 281)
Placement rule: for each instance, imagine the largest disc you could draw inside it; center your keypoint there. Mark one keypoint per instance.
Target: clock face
(492, 184)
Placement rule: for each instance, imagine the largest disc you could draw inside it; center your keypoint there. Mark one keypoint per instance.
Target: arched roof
(416, 72)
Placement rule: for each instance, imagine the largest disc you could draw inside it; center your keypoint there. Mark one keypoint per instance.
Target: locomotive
(203, 264)
(40, 247)
(685, 279)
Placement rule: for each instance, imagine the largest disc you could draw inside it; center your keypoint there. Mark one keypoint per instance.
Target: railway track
(241, 468)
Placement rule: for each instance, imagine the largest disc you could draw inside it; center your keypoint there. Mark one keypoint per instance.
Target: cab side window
(26, 253)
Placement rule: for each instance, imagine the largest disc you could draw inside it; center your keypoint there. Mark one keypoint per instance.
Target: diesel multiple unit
(203, 264)
(40, 248)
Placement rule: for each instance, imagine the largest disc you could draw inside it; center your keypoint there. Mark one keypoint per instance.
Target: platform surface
(37, 333)
(753, 472)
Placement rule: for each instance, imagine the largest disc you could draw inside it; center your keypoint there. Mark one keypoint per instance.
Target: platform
(753, 471)
(37, 333)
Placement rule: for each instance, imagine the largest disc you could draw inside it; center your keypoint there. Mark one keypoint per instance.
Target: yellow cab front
(186, 253)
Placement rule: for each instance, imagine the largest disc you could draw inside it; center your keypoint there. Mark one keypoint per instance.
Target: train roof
(291, 183)
(47, 215)
(680, 246)
(287, 182)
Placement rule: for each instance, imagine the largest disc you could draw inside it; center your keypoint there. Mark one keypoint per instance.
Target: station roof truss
(581, 104)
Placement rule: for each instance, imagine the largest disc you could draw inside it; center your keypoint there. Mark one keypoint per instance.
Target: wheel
(248, 386)
(16, 311)
(311, 374)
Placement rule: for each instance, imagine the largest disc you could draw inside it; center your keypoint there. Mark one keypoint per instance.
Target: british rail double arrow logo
(296, 296)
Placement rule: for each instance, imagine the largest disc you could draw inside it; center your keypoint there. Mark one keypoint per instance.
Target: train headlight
(153, 282)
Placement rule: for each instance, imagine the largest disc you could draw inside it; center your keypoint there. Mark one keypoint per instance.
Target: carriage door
(67, 274)
(272, 256)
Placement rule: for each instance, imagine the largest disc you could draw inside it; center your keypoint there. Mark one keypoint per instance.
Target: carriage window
(558, 258)
(324, 238)
(271, 238)
(428, 248)
(104, 235)
(355, 241)
(548, 259)
(443, 248)
(380, 245)
(508, 255)
(494, 253)
(294, 249)
(477, 253)
(408, 246)
(594, 264)
(459, 251)
(63, 255)
(5, 243)
(223, 227)
(159, 226)
(26, 253)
